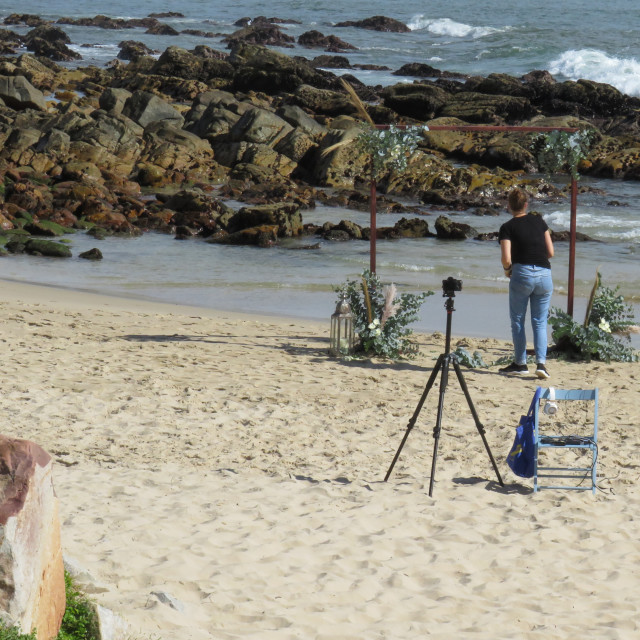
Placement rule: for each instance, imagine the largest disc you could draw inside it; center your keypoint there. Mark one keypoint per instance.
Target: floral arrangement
(604, 332)
(381, 316)
(562, 151)
(389, 149)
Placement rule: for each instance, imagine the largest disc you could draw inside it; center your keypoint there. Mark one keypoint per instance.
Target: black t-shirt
(527, 240)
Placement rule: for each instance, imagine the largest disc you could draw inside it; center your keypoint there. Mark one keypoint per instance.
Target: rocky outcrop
(273, 128)
(377, 23)
(284, 216)
(51, 42)
(316, 40)
(145, 108)
(18, 93)
(132, 50)
(32, 591)
(446, 229)
(264, 33)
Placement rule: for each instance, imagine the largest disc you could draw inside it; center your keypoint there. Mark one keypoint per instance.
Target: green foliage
(597, 340)
(562, 151)
(381, 317)
(609, 305)
(80, 620)
(78, 623)
(13, 633)
(389, 149)
(474, 361)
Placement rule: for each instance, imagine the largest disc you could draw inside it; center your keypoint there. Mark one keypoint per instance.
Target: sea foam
(448, 27)
(592, 64)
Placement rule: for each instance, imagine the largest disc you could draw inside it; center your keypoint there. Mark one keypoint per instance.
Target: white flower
(378, 331)
(374, 324)
(604, 326)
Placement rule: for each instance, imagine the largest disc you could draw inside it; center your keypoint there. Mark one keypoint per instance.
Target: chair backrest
(572, 394)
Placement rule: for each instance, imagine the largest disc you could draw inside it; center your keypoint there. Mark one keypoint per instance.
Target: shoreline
(219, 476)
(475, 312)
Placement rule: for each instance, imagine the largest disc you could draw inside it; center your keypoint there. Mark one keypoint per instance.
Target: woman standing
(526, 246)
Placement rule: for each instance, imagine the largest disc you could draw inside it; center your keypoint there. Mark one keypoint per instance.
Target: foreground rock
(32, 590)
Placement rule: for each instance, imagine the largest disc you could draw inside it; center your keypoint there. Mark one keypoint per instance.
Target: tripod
(442, 366)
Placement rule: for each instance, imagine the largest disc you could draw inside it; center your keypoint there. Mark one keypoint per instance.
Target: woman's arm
(549, 243)
(505, 249)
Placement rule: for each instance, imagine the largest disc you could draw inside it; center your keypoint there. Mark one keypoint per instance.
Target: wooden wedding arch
(489, 128)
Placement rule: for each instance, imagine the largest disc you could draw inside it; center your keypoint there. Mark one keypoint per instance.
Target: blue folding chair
(586, 439)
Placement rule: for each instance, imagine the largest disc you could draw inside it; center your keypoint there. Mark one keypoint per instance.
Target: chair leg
(594, 474)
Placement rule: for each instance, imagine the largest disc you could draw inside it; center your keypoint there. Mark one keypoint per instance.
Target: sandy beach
(221, 477)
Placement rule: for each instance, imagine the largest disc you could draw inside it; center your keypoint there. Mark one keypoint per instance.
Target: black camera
(450, 286)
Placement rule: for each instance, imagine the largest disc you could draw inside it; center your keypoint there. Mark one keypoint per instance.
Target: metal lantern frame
(342, 337)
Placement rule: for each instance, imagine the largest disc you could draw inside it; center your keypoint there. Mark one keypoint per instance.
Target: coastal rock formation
(51, 42)
(32, 592)
(316, 40)
(144, 108)
(270, 128)
(377, 23)
(18, 93)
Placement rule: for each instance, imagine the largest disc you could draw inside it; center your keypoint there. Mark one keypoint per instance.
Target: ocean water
(584, 39)
(576, 39)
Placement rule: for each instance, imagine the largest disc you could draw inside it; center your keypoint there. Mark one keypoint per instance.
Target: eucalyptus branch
(562, 151)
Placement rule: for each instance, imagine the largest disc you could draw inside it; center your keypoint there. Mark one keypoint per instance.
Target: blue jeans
(529, 283)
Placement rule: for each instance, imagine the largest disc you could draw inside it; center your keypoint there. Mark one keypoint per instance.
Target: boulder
(343, 164)
(412, 228)
(261, 69)
(299, 119)
(260, 33)
(323, 101)
(420, 70)
(446, 229)
(28, 19)
(144, 108)
(479, 108)
(297, 145)
(214, 123)
(132, 50)
(284, 216)
(161, 29)
(331, 62)
(262, 236)
(180, 151)
(92, 254)
(377, 23)
(418, 101)
(179, 62)
(260, 126)
(315, 40)
(47, 248)
(18, 93)
(32, 590)
(42, 76)
(113, 100)
(48, 41)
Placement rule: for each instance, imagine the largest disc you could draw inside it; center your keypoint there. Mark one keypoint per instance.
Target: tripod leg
(444, 378)
(416, 413)
(479, 425)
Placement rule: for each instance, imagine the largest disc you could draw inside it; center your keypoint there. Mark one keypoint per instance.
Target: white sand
(225, 465)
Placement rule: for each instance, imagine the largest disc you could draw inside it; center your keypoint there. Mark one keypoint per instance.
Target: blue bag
(521, 458)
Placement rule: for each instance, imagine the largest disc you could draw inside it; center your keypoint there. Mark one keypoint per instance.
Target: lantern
(341, 339)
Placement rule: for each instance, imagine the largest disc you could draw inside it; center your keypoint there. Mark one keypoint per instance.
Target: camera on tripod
(450, 286)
